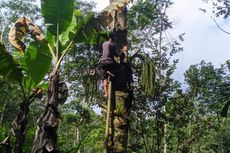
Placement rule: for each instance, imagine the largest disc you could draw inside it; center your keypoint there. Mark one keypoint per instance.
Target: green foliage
(35, 64)
(148, 77)
(9, 67)
(142, 14)
(84, 126)
(209, 84)
(10, 96)
(83, 29)
(87, 30)
(69, 33)
(57, 14)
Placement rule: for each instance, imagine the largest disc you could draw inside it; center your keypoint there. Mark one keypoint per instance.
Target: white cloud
(203, 40)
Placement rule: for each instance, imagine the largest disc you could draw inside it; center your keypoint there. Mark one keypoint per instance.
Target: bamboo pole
(108, 112)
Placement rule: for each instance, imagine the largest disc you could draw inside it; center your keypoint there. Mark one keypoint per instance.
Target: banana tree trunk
(47, 125)
(21, 122)
(19, 126)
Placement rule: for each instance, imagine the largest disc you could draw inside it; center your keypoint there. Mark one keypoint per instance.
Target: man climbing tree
(118, 110)
(107, 61)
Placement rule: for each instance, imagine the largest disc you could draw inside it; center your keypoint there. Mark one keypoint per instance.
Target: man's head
(124, 47)
(113, 36)
(124, 52)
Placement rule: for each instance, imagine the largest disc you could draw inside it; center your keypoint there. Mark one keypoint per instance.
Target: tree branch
(220, 27)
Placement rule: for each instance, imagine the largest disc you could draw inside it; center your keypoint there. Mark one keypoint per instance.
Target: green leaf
(88, 30)
(83, 30)
(9, 67)
(69, 34)
(35, 64)
(58, 14)
(51, 39)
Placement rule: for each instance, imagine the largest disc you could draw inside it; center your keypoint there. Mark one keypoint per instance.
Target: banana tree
(64, 29)
(32, 65)
(23, 72)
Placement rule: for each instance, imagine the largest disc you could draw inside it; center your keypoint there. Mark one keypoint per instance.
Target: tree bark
(78, 138)
(165, 133)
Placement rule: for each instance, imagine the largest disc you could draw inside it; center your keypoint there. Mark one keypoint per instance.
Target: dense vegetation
(164, 117)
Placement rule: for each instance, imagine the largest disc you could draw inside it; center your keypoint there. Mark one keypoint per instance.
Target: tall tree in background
(221, 8)
(154, 66)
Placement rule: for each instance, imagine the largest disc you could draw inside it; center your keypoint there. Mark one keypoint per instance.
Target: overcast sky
(203, 40)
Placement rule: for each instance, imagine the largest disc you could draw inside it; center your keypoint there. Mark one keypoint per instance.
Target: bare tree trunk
(19, 126)
(78, 138)
(165, 133)
(120, 122)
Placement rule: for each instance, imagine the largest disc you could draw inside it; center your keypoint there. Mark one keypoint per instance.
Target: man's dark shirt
(109, 51)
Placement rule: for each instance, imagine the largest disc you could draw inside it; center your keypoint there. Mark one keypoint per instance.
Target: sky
(203, 40)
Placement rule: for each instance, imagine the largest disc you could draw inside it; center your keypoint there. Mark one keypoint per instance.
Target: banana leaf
(58, 14)
(9, 67)
(84, 30)
(89, 30)
(35, 64)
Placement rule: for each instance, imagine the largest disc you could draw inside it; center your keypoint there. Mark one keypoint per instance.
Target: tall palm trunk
(117, 138)
(47, 125)
(120, 122)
